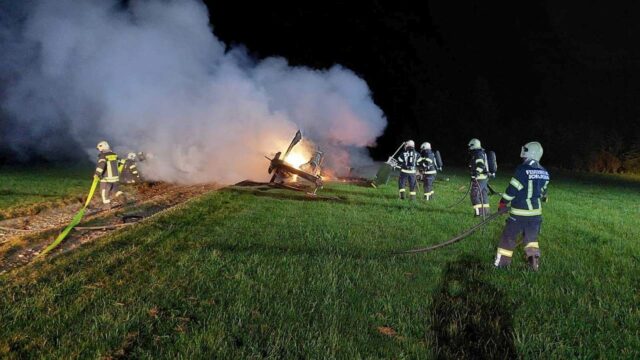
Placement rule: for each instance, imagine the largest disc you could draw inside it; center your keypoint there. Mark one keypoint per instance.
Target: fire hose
(75, 221)
(462, 198)
(457, 238)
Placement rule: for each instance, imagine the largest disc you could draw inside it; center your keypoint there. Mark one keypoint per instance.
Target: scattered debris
(385, 330)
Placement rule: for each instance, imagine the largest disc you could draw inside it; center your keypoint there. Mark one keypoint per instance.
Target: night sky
(503, 71)
(564, 73)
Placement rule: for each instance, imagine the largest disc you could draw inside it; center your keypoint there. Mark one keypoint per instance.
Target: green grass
(25, 191)
(241, 275)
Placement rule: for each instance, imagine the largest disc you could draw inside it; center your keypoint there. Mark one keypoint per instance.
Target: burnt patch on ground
(471, 319)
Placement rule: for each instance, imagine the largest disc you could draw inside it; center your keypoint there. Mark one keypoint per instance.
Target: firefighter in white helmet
(107, 172)
(479, 178)
(128, 170)
(526, 192)
(408, 162)
(428, 167)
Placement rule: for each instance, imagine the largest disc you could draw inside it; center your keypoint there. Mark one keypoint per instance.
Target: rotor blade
(400, 147)
(296, 139)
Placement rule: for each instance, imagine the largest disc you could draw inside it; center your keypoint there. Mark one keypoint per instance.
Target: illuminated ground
(241, 273)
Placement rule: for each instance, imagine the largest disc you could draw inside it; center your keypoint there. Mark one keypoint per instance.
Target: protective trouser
(480, 196)
(428, 180)
(529, 226)
(402, 180)
(106, 189)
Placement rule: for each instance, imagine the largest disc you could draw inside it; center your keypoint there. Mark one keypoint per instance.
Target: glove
(545, 199)
(502, 206)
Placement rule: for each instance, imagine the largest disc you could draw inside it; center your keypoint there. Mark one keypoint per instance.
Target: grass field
(24, 191)
(238, 274)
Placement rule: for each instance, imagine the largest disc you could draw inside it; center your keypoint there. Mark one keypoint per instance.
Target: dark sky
(564, 73)
(507, 72)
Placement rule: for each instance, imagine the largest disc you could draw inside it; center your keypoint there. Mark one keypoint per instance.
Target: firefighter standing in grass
(427, 163)
(526, 192)
(408, 161)
(479, 178)
(107, 172)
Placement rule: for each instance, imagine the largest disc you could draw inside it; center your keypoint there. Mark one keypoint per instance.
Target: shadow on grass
(471, 319)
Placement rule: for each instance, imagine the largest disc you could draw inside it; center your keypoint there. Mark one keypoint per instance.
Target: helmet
(474, 144)
(131, 156)
(425, 146)
(103, 146)
(409, 144)
(531, 150)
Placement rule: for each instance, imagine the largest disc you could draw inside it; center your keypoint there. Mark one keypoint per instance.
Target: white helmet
(531, 150)
(131, 156)
(409, 144)
(103, 146)
(425, 146)
(474, 144)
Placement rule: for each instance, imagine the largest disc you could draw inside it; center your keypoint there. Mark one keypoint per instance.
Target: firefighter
(128, 170)
(479, 178)
(526, 192)
(107, 172)
(408, 161)
(428, 167)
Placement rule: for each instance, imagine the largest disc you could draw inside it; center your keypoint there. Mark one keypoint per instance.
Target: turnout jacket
(526, 189)
(129, 171)
(107, 168)
(478, 164)
(427, 162)
(408, 161)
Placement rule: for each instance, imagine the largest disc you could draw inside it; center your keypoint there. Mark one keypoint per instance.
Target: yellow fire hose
(75, 221)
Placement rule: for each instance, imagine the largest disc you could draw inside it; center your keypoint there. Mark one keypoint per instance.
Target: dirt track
(33, 233)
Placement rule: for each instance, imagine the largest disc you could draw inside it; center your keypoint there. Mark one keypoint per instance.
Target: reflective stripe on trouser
(404, 178)
(503, 257)
(529, 226)
(428, 180)
(106, 189)
(480, 196)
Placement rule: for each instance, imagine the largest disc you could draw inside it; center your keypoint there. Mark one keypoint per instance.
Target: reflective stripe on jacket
(526, 188)
(107, 168)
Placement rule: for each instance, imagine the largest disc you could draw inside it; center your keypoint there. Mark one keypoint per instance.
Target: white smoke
(152, 77)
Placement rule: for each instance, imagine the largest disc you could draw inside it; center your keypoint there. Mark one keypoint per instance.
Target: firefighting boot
(533, 262)
(412, 197)
(402, 196)
(484, 211)
(503, 258)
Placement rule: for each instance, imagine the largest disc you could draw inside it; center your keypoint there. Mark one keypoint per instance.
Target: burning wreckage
(294, 165)
(285, 173)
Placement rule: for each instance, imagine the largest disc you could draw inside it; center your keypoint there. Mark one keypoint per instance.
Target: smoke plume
(151, 76)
